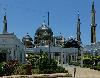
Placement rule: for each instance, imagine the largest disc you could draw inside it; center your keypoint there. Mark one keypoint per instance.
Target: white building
(93, 49)
(11, 48)
(56, 46)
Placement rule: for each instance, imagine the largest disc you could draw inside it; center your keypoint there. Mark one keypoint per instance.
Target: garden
(37, 64)
(92, 62)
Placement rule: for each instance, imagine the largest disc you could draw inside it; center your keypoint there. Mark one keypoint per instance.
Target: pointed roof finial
(5, 13)
(27, 33)
(78, 15)
(43, 20)
(5, 10)
(92, 1)
(5, 17)
(5, 24)
(48, 18)
(92, 4)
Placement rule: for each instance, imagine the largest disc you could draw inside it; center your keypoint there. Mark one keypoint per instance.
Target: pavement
(82, 72)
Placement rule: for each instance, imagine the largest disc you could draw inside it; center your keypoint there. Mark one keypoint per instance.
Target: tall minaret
(78, 30)
(93, 24)
(5, 24)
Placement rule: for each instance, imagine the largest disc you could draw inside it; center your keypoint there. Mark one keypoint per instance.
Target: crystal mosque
(63, 50)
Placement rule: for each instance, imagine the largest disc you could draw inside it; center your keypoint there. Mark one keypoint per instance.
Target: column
(58, 59)
(81, 57)
(52, 55)
(64, 57)
(74, 56)
(71, 57)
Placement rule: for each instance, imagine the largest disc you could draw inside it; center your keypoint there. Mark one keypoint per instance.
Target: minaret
(5, 24)
(93, 25)
(78, 30)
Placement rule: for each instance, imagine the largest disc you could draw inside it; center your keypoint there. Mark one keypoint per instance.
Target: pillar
(52, 55)
(62, 59)
(65, 58)
(71, 57)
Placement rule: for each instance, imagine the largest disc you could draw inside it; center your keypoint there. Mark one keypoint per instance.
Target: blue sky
(25, 16)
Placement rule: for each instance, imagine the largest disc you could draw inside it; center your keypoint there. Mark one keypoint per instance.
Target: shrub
(96, 68)
(19, 70)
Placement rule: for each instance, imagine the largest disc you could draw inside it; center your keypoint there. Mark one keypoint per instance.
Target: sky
(25, 16)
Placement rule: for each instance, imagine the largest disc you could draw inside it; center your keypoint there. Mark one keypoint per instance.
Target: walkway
(83, 72)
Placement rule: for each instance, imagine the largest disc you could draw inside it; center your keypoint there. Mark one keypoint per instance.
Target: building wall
(14, 48)
(58, 53)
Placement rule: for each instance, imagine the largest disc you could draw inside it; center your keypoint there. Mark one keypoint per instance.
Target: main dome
(44, 30)
(43, 35)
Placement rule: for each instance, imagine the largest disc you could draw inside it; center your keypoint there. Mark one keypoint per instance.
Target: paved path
(83, 72)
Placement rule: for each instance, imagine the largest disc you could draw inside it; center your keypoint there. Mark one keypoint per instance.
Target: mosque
(57, 47)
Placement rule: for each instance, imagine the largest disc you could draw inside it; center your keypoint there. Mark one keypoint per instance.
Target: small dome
(60, 37)
(71, 42)
(44, 30)
(27, 38)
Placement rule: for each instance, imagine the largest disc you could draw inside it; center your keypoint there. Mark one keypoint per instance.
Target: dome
(43, 35)
(71, 42)
(60, 37)
(44, 30)
(27, 38)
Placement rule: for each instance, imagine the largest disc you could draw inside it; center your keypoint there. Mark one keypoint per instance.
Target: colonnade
(64, 57)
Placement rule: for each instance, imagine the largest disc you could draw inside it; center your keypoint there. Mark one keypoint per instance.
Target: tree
(44, 64)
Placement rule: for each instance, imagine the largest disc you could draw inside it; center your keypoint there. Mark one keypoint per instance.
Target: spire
(93, 13)
(93, 24)
(43, 24)
(78, 16)
(93, 5)
(48, 18)
(5, 24)
(78, 29)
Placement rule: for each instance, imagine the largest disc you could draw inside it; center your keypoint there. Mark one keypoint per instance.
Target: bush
(61, 70)
(19, 70)
(2, 68)
(95, 68)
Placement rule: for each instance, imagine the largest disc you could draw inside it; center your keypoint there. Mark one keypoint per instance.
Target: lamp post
(49, 52)
(81, 49)
(99, 51)
(61, 57)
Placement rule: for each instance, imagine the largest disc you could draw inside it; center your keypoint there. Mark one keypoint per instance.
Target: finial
(43, 20)
(5, 13)
(78, 12)
(27, 33)
(92, 4)
(48, 18)
(5, 23)
(78, 15)
(92, 1)
(5, 10)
